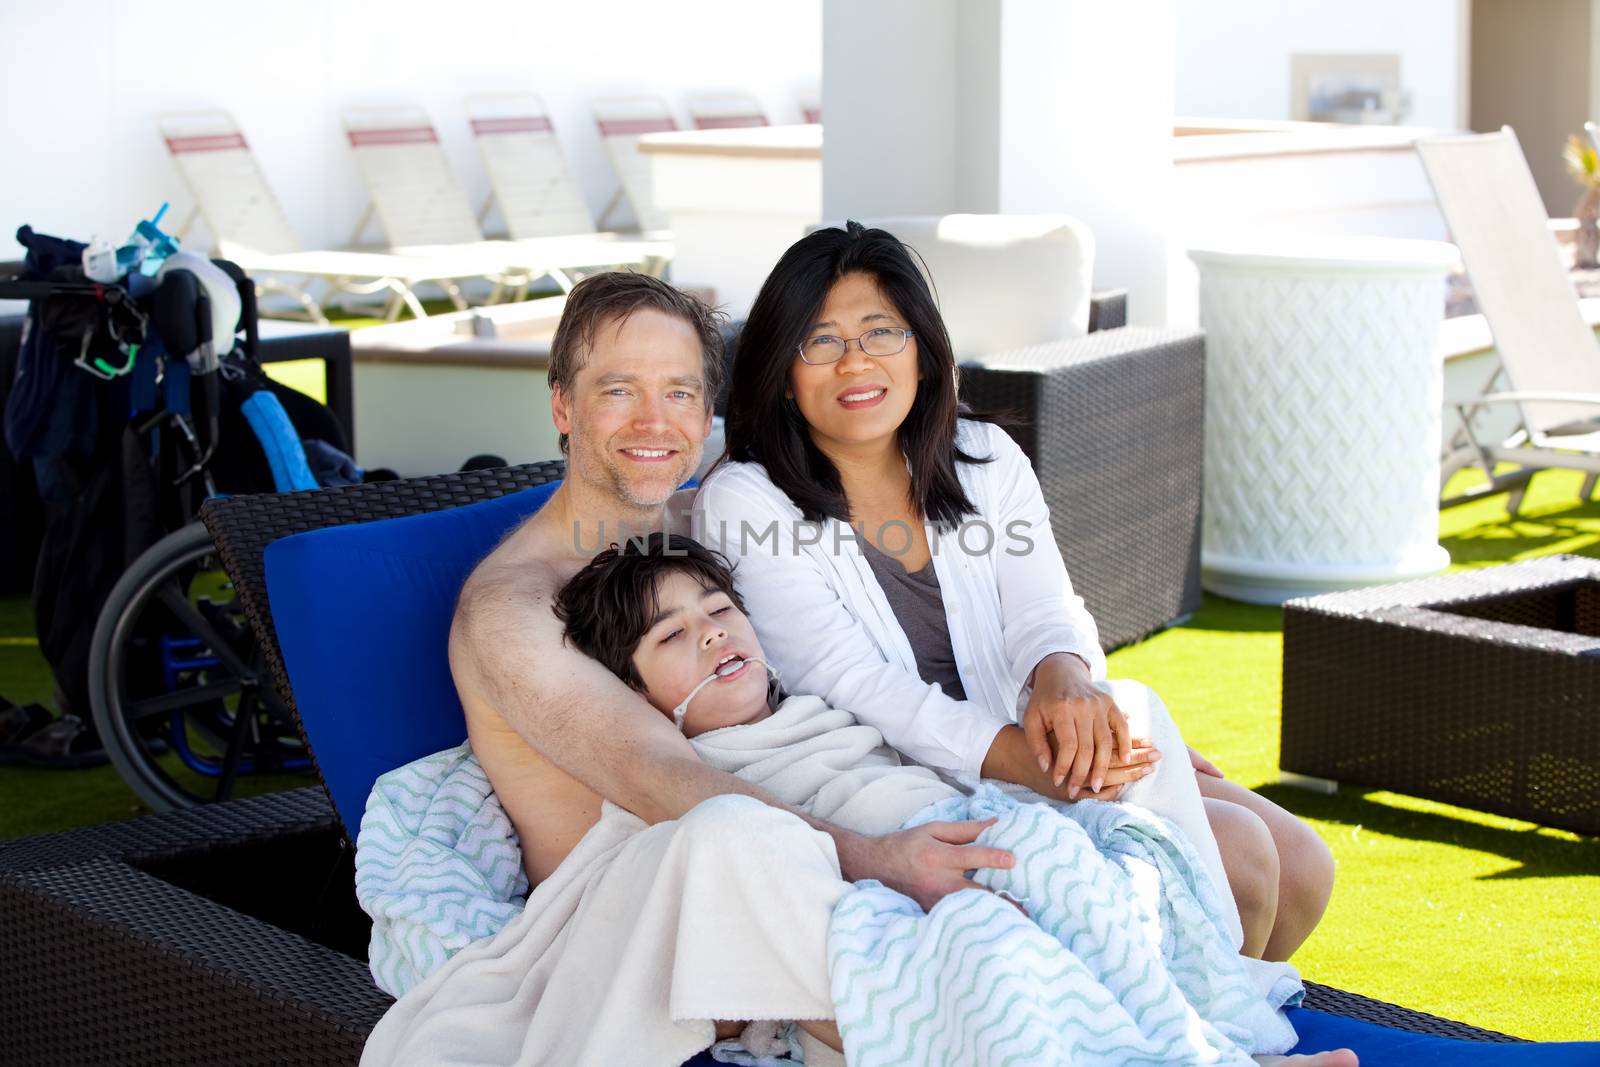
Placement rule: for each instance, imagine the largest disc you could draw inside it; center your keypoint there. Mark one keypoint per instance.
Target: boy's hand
(1119, 776)
(1010, 759)
(1203, 765)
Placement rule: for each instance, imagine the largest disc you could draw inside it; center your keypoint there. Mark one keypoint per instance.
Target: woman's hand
(1089, 729)
(1203, 765)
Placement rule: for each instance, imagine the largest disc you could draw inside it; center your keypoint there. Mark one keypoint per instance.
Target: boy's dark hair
(608, 606)
(608, 299)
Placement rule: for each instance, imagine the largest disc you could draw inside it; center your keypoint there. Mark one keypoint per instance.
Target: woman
(898, 562)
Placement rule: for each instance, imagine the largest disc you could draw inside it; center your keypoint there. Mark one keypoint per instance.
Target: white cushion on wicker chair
(1003, 281)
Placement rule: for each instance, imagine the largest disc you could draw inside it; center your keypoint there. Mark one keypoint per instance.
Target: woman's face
(856, 405)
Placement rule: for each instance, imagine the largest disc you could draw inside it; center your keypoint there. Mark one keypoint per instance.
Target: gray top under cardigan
(918, 605)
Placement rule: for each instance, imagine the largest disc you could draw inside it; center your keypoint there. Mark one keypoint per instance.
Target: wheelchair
(178, 690)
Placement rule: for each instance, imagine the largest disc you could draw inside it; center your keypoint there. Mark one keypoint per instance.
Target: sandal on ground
(65, 743)
(17, 721)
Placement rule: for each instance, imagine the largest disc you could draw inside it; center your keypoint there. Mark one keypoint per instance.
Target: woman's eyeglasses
(880, 341)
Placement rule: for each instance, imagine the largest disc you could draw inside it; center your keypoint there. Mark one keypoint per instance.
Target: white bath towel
(640, 939)
(645, 935)
(823, 761)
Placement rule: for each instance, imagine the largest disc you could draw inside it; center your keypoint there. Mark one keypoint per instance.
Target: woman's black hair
(765, 427)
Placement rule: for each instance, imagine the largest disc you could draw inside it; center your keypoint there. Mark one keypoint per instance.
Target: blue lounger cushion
(363, 617)
(1384, 1046)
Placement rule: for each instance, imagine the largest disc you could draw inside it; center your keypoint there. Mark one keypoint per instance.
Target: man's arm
(507, 652)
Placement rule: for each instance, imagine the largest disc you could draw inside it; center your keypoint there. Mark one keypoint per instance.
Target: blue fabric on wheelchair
(1384, 1046)
(363, 618)
(286, 456)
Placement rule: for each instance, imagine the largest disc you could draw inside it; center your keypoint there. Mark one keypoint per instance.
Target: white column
(1008, 106)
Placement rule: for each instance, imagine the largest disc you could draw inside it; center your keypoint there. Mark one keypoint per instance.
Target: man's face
(698, 632)
(636, 414)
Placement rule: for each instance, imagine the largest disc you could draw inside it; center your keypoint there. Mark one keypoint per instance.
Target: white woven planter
(1323, 393)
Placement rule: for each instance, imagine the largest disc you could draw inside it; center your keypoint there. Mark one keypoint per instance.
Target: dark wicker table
(1480, 689)
(228, 934)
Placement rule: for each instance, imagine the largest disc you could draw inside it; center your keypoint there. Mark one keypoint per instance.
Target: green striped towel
(1122, 958)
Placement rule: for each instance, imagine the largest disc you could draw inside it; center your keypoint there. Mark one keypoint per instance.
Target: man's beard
(613, 476)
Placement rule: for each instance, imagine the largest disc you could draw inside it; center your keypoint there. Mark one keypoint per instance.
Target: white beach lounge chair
(622, 121)
(725, 111)
(249, 226)
(425, 212)
(528, 172)
(1549, 358)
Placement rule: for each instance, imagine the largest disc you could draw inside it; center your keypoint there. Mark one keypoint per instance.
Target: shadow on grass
(1575, 530)
(1221, 615)
(1537, 856)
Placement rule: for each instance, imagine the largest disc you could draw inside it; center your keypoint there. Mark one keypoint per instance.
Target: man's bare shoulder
(508, 574)
(521, 576)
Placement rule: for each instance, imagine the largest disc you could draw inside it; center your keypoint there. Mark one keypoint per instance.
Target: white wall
(83, 82)
(1233, 55)
(893, 133)
(1012, 107)
(1105, 157)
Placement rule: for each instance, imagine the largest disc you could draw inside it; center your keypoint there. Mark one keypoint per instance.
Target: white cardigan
(825, 623)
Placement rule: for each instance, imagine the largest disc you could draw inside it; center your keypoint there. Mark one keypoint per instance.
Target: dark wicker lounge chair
(1114, 425)
(229, 934)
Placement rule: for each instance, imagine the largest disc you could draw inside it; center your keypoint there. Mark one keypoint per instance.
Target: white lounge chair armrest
(1519, 398)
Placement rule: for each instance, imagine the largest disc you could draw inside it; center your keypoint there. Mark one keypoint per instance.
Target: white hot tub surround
(1323, 393)
(736, 199)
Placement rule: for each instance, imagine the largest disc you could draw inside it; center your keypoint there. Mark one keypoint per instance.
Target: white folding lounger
(811, 107)
(622, 122)
(725, 111)
(528, 173)
(249, 226)
(425, 212)
(1548, 354)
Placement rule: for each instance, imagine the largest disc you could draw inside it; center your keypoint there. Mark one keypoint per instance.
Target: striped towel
(438, 866)
(1123, 957)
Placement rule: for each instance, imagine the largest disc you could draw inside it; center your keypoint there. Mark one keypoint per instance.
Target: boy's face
(695, 631)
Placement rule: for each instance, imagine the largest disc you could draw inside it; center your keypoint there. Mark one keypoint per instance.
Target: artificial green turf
(306, 375)
(1453, 912)
(1488, 920)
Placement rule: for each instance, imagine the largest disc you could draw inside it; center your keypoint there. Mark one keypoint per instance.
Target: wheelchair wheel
(179, 690)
